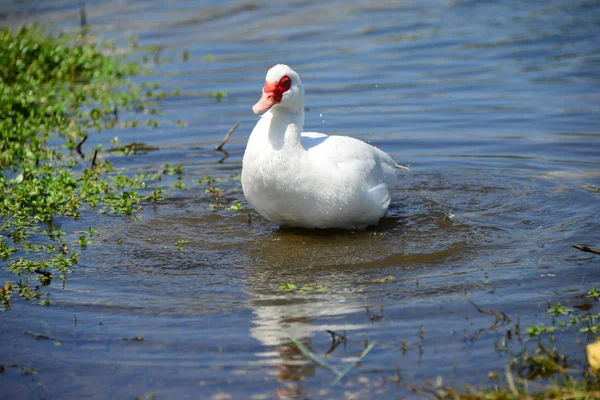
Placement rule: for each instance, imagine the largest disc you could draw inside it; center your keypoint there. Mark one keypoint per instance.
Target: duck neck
(285, 128)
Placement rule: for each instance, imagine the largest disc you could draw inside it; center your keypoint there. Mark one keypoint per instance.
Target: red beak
(271, 95)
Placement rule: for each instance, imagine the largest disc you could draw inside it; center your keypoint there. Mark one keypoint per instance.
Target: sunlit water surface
(494, 105)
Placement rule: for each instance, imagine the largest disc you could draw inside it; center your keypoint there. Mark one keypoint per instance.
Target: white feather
(310, 179)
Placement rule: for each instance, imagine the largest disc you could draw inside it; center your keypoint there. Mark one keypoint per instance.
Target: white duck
(310, 179)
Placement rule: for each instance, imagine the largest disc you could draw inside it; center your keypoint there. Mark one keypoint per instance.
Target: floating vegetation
(309, 287)
(385, 279)
(179, 244)
(218, 95)
(288, 287)
(559, 310)
(133, 148)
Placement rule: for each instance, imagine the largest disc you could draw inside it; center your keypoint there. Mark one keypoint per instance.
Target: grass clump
(54, 90)
(57, 85)
(541, 370)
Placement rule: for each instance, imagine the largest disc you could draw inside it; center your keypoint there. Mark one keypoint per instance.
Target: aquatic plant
(542, 371)
(62, 87)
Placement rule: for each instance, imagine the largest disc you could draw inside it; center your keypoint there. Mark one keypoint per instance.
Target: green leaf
(288, 287)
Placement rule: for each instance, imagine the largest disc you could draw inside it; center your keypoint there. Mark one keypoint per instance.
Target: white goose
(310, 179)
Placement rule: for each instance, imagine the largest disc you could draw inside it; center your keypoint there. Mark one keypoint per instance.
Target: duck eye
(286, 82)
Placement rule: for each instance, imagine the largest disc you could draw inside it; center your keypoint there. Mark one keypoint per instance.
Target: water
(494, 105)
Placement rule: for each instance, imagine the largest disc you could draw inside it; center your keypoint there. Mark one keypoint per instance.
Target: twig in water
(78, 147)
(227, 135)
(133, 339)
(321, 361)
(336, 340)
(38, 336)
(82, 14)
(499, 316)
(94, 158)
(156, 57)
(375, 317)
(225, 156)
(585, 248)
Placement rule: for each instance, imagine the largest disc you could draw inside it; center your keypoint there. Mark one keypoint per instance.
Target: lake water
(495, 106)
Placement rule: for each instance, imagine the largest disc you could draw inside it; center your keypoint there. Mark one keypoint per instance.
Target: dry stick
(511, 382)
(78, 147)
(227, 135)
(579, 395)
(585, 248)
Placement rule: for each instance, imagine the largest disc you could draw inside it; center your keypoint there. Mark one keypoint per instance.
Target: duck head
(283, 90)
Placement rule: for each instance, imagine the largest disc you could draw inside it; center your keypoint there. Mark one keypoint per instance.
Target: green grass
(62, 87)
(67, 87)
(543, 371)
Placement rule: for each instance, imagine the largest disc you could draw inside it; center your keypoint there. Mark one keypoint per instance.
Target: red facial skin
(272, 94)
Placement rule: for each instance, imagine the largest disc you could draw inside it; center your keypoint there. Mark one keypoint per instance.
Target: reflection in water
(277, 318)
(330, 259)
(292, 370)
(437, 241)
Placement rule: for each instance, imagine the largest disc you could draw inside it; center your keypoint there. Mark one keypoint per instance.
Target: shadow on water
(493, 105)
